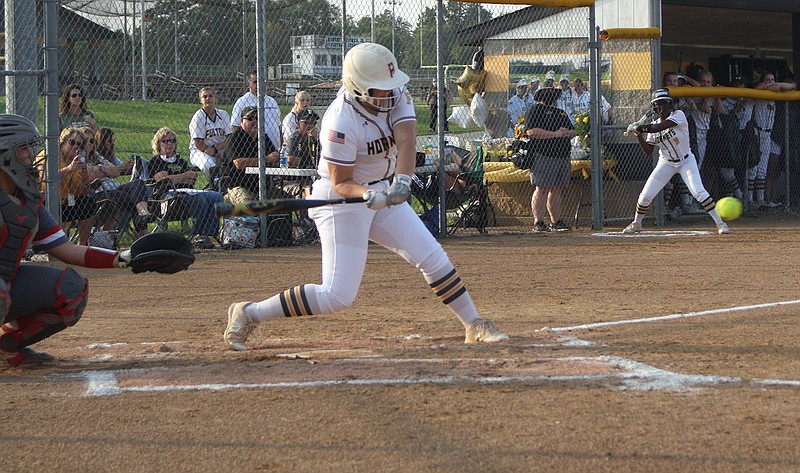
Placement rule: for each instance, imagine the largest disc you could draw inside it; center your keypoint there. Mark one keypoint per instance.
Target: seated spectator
(302, 101)
(72, 109)
(207, 131)
(167, 164)
(107, 148)
(78, 202)
(243, 153)
(303, 146)
(130, 197)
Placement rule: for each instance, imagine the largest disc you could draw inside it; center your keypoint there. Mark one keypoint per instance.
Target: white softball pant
(664, 171)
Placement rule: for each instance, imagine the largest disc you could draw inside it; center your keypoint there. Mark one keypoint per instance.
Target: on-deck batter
(368, 138)
(670, 133)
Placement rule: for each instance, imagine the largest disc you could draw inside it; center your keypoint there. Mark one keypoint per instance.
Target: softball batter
(368, 138)
(670, 133)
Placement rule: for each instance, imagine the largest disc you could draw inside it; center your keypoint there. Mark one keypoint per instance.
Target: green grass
(135, 122)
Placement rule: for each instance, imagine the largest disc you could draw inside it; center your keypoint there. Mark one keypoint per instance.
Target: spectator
(567, 100)
(517, 106)
(303, 145)
(272, 114)
(72, 109)
(764, 115)
(533, 86)
(582, 98)
(433, 104)
(670, 133)
(165, 163)
(302, 100)
(549, 130)
(37, 300)
(130, 197)
(78, 202)
(243, 153)
(107, 148)
(207, 132)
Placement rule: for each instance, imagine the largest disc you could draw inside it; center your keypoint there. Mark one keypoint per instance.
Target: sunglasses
(309, 122)
(76, 95)
(250, 119)
(75, 143)
(168, 140)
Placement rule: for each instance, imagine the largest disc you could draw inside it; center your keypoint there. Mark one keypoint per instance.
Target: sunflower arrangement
(582, 129)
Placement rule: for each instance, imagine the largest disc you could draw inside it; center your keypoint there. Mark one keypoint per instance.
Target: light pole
(392, 3)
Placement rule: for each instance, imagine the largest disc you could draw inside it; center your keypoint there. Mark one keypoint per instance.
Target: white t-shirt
(673, 143)
(272, 115)
(212, 132)
(289, 126)
(351, 136)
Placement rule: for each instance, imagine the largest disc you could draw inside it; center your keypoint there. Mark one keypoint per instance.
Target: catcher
(39, 301)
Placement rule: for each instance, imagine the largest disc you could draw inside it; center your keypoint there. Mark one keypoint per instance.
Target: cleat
(632, 228)
(483, 331)
(29, 356)
(559, 226)
(240, 326)
(540, 227)
(722, 228)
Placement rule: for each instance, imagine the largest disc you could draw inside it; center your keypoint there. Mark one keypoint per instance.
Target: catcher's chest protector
(17, 226)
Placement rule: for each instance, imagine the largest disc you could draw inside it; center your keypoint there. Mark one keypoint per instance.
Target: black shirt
(549, 118)
(242, 145)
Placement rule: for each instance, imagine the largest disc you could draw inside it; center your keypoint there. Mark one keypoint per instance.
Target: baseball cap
(522, 83)
(307, 115)
(535, 79)
(550, 75)
(248, 111)
(564, 77)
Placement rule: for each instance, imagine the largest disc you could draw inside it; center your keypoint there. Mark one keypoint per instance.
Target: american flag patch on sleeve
(336, 136)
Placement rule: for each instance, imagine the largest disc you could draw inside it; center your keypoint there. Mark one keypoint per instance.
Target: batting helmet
(368, 67)
(17, 131)
(661, 94)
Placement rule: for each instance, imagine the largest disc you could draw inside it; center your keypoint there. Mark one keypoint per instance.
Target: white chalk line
(669, 317)
(653, 234)
(635, 375)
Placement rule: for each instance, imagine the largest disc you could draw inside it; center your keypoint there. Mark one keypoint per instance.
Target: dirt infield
(660, 352)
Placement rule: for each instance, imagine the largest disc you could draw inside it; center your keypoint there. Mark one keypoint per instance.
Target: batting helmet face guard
(370, 67)
(19, 132)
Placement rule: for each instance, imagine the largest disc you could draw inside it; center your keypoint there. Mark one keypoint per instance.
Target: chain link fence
(140, 66)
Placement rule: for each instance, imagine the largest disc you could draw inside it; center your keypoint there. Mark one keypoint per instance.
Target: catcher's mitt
(164, 252)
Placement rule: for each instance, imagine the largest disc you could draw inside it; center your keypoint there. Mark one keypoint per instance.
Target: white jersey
(764, 114)
(212, 132)
(582, 100)
(272, 115)
(673, 143)
(351, 136)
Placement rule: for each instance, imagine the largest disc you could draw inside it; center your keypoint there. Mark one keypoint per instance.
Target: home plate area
(521, 362)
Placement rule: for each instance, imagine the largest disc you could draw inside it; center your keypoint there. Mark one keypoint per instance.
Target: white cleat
(240, 326)
(632, 228)
(483, 331)
(722, 228)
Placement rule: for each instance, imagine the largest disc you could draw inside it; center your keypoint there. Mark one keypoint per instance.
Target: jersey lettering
(381, 145)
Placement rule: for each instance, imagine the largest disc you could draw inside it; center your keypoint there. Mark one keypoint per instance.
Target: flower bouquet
(582, 129)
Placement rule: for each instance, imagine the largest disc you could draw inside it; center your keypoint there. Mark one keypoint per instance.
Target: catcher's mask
(18, 132)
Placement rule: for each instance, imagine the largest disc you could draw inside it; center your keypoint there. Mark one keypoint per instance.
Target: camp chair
(466, 196)
(166, 207)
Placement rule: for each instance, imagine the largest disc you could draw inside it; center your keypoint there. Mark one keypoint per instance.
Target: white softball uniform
(764, 115)
(351, 136)
(674, 157)
(272, 115)
(212, 132)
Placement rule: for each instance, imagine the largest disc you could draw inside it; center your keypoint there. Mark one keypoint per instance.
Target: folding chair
(466, 196)
(167, 207)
